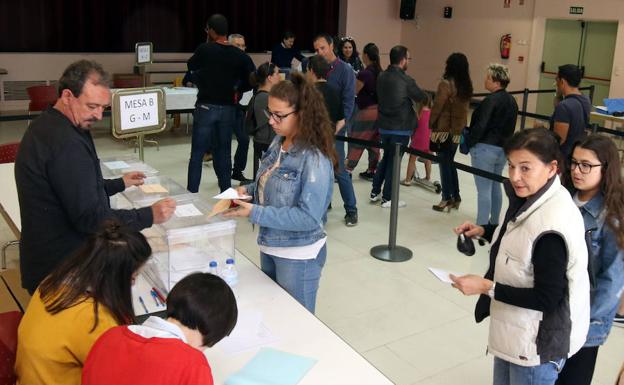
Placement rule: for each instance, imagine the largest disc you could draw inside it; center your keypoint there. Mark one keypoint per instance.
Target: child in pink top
(419, 141)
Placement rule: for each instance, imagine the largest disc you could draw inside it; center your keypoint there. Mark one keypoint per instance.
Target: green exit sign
(576, 10)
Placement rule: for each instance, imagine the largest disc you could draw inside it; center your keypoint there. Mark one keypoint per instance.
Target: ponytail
(372, 52)
(314, 126)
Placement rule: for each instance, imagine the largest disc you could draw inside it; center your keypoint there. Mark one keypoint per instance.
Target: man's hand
(163, 210)
(133, 178)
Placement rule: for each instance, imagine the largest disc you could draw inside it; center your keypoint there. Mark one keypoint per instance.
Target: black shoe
(368, 175)
(618, 320)
(329, 207)
(241, 178)
(351, 219)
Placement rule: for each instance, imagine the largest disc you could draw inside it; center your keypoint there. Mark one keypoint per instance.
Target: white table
(180, 98)
(298, 332)
(9, 205)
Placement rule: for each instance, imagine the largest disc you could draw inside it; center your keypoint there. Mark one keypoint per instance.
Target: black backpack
(251, 123)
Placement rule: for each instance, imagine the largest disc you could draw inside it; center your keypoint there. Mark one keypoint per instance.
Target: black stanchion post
(391, 252)
(525, 101)
(592, 88)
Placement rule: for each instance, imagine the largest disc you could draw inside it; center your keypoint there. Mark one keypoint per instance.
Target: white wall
(475, 30)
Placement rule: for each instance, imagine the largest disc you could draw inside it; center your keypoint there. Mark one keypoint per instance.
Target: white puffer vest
(515, 334)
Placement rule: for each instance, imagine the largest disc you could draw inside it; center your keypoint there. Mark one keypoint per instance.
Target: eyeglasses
(584, 168)
(277, 117)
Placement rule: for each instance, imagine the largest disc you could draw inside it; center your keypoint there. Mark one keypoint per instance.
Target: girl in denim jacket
(293, 189)
(599, 193)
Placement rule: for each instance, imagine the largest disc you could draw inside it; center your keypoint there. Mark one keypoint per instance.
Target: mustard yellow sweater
(52, 348)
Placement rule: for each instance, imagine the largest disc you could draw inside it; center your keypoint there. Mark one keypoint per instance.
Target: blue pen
(155, 297)
(143, 304)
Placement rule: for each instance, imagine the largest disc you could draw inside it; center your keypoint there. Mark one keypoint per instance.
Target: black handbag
(440, 146)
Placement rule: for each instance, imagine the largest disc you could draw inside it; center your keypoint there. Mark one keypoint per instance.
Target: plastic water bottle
(229, 273)
(213, 268)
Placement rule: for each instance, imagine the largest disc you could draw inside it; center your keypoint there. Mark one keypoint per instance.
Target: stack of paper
(273, 367)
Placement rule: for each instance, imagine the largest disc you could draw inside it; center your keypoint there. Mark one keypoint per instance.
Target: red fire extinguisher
(505, 46)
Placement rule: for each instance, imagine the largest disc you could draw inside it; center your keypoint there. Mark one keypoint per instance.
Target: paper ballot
(443, 275)
(249, 333)
(153, 188)
(231, 194)
(188, 210)
(115, 165)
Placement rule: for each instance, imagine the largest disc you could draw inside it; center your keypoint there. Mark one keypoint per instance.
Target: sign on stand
(138, 112)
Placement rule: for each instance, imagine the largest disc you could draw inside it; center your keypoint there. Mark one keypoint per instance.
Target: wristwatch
(491, 291)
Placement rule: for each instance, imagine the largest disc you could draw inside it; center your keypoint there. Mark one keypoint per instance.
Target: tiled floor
(415, 329)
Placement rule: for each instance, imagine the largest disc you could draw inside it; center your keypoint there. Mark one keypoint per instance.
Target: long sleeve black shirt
(62, 195)
(221, 72)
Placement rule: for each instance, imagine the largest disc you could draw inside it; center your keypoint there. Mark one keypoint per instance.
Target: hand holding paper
(231, 194)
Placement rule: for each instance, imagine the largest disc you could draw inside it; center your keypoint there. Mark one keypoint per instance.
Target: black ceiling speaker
(408, 9)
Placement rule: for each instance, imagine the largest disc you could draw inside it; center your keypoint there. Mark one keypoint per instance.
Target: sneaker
(241, 178)
(351, 219)
(375, 197)
(368, 175)
(387, 204)
(618, 320)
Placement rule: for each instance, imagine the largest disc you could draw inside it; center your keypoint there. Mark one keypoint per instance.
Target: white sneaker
(387, 204)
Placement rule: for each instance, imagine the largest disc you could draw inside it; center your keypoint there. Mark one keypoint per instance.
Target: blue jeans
(242, 149)
(299, 277)
(345, 184)
(448, 174)
(212, 131)
(383, 174)
(506, 373)
(490, 158)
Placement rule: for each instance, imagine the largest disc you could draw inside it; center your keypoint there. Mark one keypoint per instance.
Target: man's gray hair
(235, 36)
(76, 75)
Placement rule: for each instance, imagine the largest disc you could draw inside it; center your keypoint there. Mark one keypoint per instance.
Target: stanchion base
(396, 254)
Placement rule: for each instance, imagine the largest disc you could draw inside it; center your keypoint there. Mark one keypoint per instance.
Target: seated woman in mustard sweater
(86, 295)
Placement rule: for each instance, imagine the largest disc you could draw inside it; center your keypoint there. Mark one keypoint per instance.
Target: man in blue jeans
(342, 78)
(219, 69)
(396, 91)
(242, 148)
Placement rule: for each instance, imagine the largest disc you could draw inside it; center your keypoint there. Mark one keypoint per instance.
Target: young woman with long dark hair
(598, 190)
(449, 116)
(293, 189)
(89, 293)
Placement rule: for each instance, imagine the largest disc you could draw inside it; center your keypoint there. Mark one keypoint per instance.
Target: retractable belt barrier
(426, 155)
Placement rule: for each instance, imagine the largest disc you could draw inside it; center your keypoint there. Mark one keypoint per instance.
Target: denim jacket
(296, 196)
(607, 265)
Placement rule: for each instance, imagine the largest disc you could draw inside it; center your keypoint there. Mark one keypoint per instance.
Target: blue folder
(272, 367)
(614, 105)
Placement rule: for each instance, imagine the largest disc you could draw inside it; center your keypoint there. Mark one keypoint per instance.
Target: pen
(143, 304)
(155, 297)
(160, 296)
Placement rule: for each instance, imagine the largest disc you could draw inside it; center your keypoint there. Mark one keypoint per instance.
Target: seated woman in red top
(201, 310)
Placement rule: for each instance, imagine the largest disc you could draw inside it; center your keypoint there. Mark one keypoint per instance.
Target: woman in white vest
(536, 289)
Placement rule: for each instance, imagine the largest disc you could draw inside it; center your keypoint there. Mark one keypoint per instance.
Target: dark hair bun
(111, 230)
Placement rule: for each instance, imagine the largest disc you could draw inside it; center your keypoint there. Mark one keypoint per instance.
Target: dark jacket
(396, 91)
(494, 120)
(220, 71)
(62, 195)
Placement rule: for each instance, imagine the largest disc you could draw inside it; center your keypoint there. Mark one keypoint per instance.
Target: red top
(122, 357)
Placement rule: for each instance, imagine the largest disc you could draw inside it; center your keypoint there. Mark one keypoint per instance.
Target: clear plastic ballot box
(115, 166)
(153, 189)
(188, 242)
